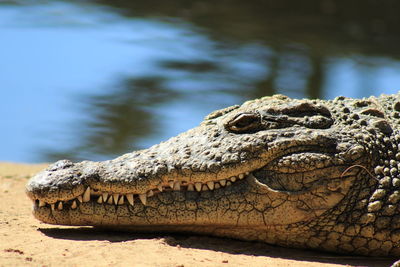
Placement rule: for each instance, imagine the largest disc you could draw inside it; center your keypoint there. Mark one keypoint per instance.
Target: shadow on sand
(216, 244)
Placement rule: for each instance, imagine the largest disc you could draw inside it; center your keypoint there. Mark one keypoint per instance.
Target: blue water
(83, 81)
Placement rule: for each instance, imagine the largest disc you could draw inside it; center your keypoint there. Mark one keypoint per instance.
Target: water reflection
(95, 79)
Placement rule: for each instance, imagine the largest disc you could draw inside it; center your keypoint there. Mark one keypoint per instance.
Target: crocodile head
(274, 169)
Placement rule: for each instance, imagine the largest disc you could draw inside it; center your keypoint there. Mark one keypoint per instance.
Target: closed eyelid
(244, 122)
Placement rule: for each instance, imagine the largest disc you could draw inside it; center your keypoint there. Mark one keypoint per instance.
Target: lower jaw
(131, 223)
(138, 219)
(270, 235)
(157, 210)
(138, 225)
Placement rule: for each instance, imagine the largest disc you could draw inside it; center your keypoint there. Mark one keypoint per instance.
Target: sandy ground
(26, 242)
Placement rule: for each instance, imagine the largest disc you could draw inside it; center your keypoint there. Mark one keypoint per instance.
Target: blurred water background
(95, 79)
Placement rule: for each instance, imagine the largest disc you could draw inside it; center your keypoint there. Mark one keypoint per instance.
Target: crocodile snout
(60, 180)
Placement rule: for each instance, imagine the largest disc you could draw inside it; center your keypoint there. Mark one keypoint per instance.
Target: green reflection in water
(301, 38)
(291, 43)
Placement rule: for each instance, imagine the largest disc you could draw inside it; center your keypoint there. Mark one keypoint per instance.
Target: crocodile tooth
(177, 186)
(247, 173)
(150, 193)
(52, 206)
(105, 196)
(233, 179)
(121, 200)
(74, 206)
(210, 185)
(100, 199)
(86, 195)
(115, 197)
(241, 176)
(223, 182)
(129, 197)
(42, 203)
(79, 198)
(228, 183)
(217, 186)
(159, 187)
(198, 186)
(190, 187)
(204, 188)
(110, 200)
(171, 184)
(60, 205)
(143, 198)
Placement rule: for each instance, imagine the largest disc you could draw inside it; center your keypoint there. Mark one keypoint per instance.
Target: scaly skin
(297, 173)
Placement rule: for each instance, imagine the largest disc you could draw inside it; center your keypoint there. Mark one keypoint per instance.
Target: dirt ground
(26, 242)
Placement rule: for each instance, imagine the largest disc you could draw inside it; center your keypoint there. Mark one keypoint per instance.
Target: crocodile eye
(244, 123)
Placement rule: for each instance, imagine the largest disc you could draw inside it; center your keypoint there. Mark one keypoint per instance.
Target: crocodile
(311, 174)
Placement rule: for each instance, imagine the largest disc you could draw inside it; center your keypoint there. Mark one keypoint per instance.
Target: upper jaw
(141, 171)
(65, 181)
(65, 184)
